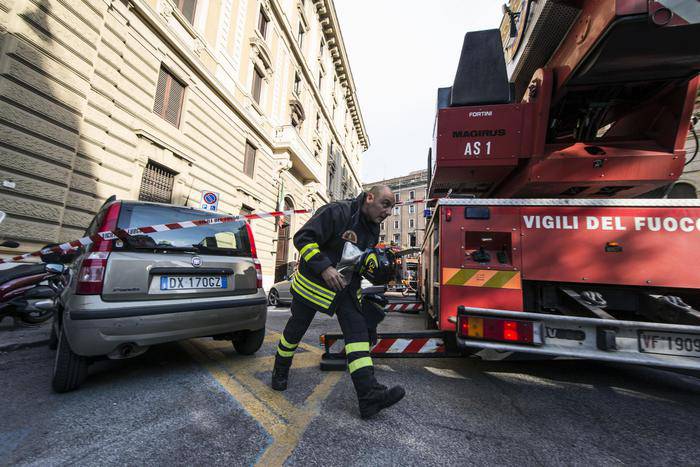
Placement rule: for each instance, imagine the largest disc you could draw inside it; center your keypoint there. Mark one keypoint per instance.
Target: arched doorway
(282, 264)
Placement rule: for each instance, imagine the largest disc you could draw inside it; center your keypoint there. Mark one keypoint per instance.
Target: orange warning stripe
(481, 278)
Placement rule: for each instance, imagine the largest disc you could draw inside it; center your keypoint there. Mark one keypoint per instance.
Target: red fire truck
(550, 236)
(554, 234)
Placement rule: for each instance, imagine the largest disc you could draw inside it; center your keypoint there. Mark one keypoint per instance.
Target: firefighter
(318, 286)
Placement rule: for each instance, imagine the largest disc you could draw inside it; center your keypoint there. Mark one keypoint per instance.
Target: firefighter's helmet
(377, 266)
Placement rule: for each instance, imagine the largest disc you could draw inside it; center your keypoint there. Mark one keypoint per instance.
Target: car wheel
(249, 342)
(273, 298)
(70, 369)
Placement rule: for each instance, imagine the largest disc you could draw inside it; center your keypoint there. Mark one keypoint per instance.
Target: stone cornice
(303, 65)
(334, 39)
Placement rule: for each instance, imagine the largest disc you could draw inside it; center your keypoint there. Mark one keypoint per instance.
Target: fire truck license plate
(670, 343)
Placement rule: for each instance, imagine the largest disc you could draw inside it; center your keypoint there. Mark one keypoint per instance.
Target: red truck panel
(659, 245)
(610, 245)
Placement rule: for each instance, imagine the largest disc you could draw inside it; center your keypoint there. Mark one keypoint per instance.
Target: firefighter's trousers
(355, 334)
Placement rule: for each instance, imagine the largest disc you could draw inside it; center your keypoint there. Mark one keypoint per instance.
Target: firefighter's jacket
(320, 243)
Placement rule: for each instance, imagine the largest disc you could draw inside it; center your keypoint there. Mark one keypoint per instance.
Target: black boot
(280, 373)
(372, 399)
(377, 384)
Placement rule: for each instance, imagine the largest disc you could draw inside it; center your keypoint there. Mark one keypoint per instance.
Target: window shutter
(160, 92)
(169, 97)
(172, 112)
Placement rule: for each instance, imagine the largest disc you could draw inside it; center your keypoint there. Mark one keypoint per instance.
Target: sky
(400, 52)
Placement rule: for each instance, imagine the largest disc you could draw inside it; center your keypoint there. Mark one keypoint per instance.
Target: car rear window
(230, 238)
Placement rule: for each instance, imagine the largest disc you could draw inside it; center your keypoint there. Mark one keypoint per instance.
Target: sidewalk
(22, 337)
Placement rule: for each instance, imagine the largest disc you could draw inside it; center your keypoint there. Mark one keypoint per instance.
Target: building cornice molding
(336, 45)
(295, 50)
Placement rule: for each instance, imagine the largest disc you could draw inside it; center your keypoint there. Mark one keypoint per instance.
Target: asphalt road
(198, 402)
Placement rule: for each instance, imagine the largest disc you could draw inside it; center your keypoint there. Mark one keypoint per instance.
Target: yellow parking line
(283, 421)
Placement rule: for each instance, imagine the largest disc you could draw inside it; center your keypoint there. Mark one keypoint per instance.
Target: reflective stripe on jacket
(320, 244)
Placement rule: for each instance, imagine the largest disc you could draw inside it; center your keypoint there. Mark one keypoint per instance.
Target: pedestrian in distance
(318, 286)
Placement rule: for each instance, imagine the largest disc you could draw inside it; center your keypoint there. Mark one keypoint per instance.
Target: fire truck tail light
(448, 214)
(499, 329)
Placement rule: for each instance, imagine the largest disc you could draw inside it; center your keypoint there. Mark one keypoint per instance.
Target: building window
(300, 35)
(263, 21)
(411, 223)
(318, 121)
(397, 210)
(382, 238)
(411, 208)
(397, 198)
(297, 83)
(396, 225)
(157, 184)
(187, 8)
(412, 194)
(245, 210)
(249, 160)
(381, 226)
(257, 84)
(412, 240)
(397, 239)
(331, 169)
(169, 97)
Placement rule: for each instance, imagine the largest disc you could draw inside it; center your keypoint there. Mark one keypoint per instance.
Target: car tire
(249, 342)
(273, 298)
(70, 369)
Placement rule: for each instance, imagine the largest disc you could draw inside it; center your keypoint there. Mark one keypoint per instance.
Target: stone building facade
(163, 99)
(405, 227)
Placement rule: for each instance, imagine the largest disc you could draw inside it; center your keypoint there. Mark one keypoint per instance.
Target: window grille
(157, 184)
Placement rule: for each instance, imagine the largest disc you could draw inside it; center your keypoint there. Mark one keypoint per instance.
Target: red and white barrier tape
(114, 234)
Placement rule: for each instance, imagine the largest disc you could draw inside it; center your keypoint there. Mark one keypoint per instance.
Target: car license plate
(192, 282)
(670, 343)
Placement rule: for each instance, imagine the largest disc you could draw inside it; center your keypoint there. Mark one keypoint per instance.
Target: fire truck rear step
(419, 344)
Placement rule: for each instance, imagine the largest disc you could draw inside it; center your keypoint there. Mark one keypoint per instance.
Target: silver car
(127, 294)
(281, 293)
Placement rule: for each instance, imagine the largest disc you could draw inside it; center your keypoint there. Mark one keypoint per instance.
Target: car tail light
(499, 329)
(92, 269)
(254, 253)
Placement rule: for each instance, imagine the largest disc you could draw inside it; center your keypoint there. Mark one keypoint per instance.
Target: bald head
(378, 203)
